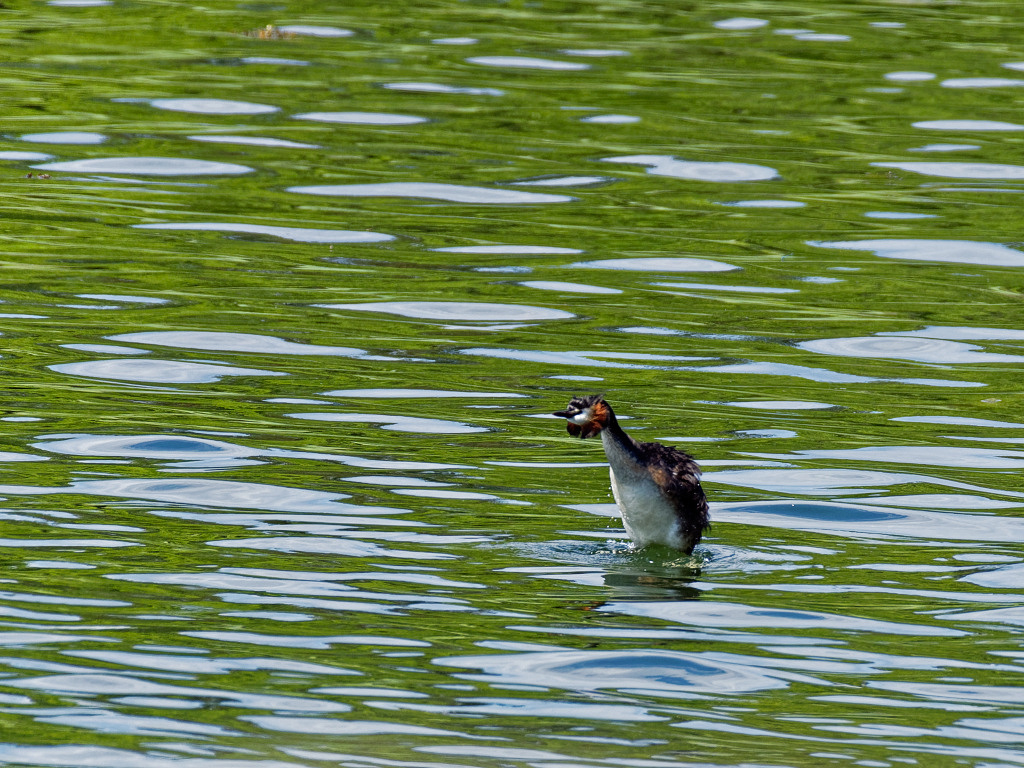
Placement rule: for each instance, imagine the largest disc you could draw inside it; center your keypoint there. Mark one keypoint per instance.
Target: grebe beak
(565, 414)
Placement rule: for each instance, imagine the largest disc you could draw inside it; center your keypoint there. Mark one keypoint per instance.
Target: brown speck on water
(269, 32)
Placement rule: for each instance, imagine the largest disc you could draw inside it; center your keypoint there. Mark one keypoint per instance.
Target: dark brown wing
(678, 475)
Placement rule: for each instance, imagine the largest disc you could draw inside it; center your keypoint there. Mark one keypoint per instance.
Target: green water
(782, 236)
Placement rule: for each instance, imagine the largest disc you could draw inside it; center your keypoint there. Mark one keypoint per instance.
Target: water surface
(294, 289)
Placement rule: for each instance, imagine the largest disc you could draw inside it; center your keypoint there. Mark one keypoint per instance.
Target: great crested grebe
(656, 488)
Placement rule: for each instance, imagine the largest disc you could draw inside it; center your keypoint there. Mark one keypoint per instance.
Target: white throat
(582, 417)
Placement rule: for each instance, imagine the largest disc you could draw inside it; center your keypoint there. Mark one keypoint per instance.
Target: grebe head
(586, 416)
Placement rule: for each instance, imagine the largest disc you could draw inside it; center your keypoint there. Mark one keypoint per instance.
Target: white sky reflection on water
(361, 118)
(611, 119)
(957, 251)
(527, 62)
(455, 193)
(274, 61)
(65, 137)
(766, 204)
(146, 166)
(638, 360)
(564, 181)
(396, 423)
(415, 393)
(253, 141)
(667, 165)
(299, 234)
(916, 348)
(525, 250)
(944, 148)
(313, 30)
(968, 125)
(659, 264)
(963, 421)
(952, 170)
(910, 76)
(232, 342)
(22, 155)
(557, 285)
(155, 371)
(734, 288)
(213, 106)
(594, 52)
(457, 310)
(962, 332)
(982, 82)
(739, 23)
(467, 90)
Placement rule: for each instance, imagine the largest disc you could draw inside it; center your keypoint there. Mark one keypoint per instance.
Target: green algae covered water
(290, 291)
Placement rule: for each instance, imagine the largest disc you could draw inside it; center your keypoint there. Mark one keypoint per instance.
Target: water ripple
(968, 125)
(928, 455)
(667, 165)
(146, 166)
(557, 285)
(823, 374)
(956, 251)
(627, 360)
(962, 170)
(86, 756)
(200, 492)
(416, 393)
(918, 349)
(651, 672)
(65, 137)
(222, 341)
(123, 684)
(157, 371)
(193, 665)
(320, 545)
(962, 332)
(441, 88)
(213, 106)
(397, 423)
(865, 521)
(739, 23)
(831, 481)
(525, 250)
(361, 118)
(658, 264)
(982, 82)
(18, 155)
(563, 181)
(457, 310)
(963, 421)
(909, 77)
(252, 141)
(298, 234)
(706, 613)
(611, 119)
(735, 288)
(454, 193)
(180, 447)
(527, 62)
(315, 30)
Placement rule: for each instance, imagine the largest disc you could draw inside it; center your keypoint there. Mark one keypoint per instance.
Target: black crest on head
(600, 414)
(579, 404)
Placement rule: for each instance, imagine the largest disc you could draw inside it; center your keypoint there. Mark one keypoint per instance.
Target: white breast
(649, 518)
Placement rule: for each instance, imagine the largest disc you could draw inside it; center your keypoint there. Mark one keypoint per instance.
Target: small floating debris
(270, 32)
